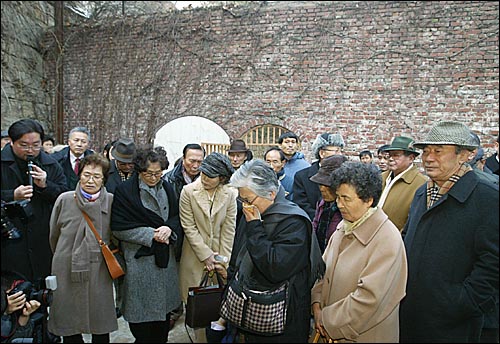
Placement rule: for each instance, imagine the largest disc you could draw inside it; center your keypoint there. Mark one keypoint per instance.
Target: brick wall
(369, 70)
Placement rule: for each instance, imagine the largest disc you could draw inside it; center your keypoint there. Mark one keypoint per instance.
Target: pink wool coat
(364, 282)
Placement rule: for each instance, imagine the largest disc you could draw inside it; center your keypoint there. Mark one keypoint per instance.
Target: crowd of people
(375, 249)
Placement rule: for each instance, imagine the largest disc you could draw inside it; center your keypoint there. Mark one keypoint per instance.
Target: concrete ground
(122, 335)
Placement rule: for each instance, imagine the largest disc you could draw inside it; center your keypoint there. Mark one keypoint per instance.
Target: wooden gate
(257, 139)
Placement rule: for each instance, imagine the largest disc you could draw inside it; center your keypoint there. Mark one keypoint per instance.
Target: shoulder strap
(89, 221)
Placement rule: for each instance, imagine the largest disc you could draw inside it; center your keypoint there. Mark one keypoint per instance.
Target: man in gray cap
(5, 138)
(122, 164)
(451, 241)
(400, 181)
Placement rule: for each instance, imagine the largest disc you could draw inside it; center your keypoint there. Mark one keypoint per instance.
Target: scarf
(129, 213)
(434, 192)
(80, 253)
(348, 227)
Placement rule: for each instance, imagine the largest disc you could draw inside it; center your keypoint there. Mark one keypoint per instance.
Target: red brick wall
(369, 70)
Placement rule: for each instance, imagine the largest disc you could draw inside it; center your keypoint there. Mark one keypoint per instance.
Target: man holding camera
(31, 181)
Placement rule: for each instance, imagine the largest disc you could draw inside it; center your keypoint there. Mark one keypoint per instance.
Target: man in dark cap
(327, 215)
(400, 181)
(5, 138)
(122, 164)
(239, 153)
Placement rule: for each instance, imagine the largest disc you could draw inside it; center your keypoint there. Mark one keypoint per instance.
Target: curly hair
(365, 178)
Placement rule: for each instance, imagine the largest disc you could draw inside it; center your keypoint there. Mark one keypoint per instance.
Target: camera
(42, 295)
(9, 230)
(18, 209)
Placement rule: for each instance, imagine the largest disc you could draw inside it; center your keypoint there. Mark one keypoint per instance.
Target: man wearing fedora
(122, 164)
(69, 157)
(451, 241)
(400, 181)
(239, 153)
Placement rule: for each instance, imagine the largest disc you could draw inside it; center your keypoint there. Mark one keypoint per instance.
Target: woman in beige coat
(365, 279)
(83, 301)
(208, 216)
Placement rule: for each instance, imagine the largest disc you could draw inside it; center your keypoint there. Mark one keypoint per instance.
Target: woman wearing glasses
(83, 301)
(145, 218)
(29, 255)
(208, 217)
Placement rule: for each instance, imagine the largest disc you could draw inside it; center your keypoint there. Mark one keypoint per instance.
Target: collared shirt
(73, 158)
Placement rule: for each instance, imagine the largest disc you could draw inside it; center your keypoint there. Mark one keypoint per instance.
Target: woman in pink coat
(365, 279)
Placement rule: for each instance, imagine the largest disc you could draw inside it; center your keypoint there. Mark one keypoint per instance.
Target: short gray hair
(80, 130)
(257, 176)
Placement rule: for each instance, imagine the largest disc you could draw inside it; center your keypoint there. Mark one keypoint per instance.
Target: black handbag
(203, 302)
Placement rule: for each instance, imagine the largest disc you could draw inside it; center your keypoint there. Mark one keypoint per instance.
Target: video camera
(11, 210)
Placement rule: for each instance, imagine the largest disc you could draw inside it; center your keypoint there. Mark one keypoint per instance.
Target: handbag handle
(204, 280)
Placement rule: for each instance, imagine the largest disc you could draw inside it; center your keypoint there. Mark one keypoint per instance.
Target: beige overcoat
(398, 201)
(364, 282)
(205, 231)
(83, 301)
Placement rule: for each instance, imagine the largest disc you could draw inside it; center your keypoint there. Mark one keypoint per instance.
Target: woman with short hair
(365, 279)
(83, 301)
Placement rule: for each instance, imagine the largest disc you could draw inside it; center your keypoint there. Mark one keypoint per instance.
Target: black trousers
(78, 338)
(151, 332)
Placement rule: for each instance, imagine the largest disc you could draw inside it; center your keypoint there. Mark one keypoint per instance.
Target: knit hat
(215, 165)
(448, 133)
(328, 165)
(402, 143)
(325, 140)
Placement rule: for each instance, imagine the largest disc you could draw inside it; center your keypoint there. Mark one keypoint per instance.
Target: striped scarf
(434, 192)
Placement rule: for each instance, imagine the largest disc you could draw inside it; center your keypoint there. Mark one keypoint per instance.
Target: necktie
(77, 166)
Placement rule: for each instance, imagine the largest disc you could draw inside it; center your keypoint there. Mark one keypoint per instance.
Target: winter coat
(452, 253)
(397, 203)
(114, 178)
(30, 255)
(280, 247)
(83, 301)
(296, 163)
(63, 159)
(364, 282)
(306, 193)
(332, 226)
(205, 232)
(149, 292)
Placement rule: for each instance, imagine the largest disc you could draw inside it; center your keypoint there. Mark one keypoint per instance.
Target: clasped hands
(162, 234)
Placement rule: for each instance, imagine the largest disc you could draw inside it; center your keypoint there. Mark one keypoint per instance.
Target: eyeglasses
(150, 174)
(244, 200)
(25, 147)
(88, 176)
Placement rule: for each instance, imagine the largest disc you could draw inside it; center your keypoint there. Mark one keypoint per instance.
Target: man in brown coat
(400, 181)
